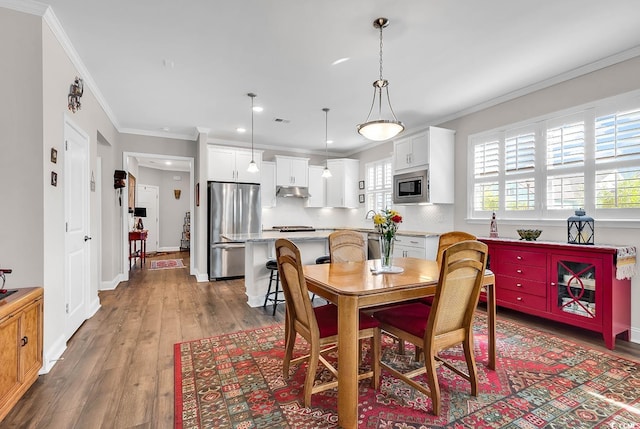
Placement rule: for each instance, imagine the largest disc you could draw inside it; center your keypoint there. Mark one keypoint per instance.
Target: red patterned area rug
(235, 381)
(166, 264)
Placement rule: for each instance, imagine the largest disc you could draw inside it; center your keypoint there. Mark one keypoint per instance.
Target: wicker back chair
(317, 325)
(449, 238)
(347, 246)
(446, 323)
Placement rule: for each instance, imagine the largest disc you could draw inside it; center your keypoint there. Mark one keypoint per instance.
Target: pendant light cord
(326, 136)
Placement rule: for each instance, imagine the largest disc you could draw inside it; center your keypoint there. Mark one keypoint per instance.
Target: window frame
(542, 172)
(387, 188)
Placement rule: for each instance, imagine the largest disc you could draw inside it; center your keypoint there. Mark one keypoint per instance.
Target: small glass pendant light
(326, 173)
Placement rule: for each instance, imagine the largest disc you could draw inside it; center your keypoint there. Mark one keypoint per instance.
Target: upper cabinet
(292, 171)
(317, 187)
(228, 164)
(432, 150)
(342, 186)
(417, 151)
(268, 184)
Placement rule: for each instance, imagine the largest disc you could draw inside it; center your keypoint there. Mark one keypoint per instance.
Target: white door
(77, 246)
(148, 198)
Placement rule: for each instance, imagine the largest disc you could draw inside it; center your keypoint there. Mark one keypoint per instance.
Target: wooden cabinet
(268, 184)
(20, 345)
(317, 187)
(568, 283)
(342, 186)
(226, 164)
(292, 171)
(432, 150)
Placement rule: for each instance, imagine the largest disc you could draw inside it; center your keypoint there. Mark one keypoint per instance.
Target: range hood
(292, 192)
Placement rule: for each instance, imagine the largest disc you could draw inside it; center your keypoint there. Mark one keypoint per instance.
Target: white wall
(613, 80)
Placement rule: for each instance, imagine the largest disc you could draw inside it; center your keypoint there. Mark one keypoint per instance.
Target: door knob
(86, 237)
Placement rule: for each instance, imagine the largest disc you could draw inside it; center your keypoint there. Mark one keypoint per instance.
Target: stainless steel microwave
(411, 188)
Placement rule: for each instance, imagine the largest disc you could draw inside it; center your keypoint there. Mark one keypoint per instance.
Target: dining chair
(445, 241)
(347, 246)
(446, 323)
(317, 325)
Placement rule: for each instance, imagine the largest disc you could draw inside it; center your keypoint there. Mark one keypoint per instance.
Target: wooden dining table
(352, 286)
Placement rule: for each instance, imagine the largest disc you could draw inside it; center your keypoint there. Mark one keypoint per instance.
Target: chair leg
(275, 301)
(467, 346)
(312, 367)
(432, 382)
(290, 340)
(266, 297)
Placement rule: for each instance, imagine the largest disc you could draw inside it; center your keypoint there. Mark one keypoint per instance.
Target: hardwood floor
(117, 371)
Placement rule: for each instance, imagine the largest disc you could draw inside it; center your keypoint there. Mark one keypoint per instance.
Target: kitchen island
(260, 247)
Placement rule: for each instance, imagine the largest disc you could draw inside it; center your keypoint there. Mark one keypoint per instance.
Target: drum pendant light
(380, 129)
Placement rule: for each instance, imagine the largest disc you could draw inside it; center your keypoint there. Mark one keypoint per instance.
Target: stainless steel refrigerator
(234, 208)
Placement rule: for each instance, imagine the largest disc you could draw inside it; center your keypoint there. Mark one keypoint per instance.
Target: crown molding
(48, 16)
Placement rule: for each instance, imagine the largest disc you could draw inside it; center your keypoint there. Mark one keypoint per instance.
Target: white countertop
(319, 234)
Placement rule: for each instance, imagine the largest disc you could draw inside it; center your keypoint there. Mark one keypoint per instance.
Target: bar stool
(321, 260)
(272, 266)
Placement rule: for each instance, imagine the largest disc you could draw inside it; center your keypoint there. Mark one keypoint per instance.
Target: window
(549, 167)
(379, 185)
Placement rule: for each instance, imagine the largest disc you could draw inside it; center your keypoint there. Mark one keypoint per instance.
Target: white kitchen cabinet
(415, 246)
(268, 184)
(432, 150)
(342, 186)
(226, 164)
(411, 152)
(317, 187)
(292, 171)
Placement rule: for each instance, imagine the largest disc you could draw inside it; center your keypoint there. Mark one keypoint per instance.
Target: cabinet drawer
(523, 271)
(514, 299)
(410, 241)
(521, 285)
(514, 256)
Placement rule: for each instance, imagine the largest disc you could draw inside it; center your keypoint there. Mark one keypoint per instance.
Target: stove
(294, 228)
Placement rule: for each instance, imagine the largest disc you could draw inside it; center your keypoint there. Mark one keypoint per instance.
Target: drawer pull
(519, 258)
(519, 298)
(519, 284)
(553, 283)
(519, 271)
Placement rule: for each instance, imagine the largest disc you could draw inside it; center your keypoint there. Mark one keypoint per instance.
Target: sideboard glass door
(577, 288)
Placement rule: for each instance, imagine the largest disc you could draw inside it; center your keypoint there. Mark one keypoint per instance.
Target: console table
(134, 252)
(584, 286)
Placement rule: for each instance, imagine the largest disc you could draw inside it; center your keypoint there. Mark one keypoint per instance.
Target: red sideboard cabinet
(568, 283)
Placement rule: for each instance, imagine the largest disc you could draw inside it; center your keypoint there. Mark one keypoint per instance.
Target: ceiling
(166, 67)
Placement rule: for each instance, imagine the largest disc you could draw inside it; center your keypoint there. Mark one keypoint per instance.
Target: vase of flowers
(386, 223)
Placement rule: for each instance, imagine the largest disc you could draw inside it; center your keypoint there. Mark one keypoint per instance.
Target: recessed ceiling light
(166, 129)
(241, 130)
(257, 109)
(167, 162)
(329, 141)
(340, 60)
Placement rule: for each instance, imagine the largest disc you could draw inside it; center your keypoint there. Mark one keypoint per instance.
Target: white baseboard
(94, 307)
(112, 284)
(202, 277)
(52, 355)
(635, 335)
(168, 249)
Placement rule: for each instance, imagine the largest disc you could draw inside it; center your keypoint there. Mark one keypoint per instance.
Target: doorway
(131, 161)
(147, 198)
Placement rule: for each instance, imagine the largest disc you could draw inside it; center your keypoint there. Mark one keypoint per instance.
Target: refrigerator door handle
(228, 246)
